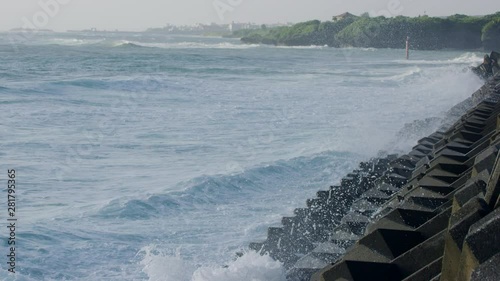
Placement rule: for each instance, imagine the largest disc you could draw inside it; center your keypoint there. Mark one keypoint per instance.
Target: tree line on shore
(426, 33)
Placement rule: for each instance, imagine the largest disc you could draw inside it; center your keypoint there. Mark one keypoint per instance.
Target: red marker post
(408, 47)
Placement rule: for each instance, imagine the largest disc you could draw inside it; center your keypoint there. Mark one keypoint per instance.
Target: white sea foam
(250, 267)
(438, 84)
(66, 41)
(159, 266)
(175, 45)
(195, 45)
(408, 73)
(469, 58)
(350, 49)
(300, 47)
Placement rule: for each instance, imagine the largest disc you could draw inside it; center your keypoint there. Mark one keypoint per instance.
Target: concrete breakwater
(432, 214)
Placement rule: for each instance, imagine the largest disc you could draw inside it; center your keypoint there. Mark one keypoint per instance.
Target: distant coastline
(460, 32)
(348, 30)
(28, 30)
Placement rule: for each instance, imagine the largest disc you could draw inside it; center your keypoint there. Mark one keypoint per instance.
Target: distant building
(239, 26)
(343, 17)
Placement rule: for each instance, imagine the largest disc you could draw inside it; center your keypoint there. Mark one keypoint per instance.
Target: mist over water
(152, 157)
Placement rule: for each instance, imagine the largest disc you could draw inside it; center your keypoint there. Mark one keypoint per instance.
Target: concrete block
(376, 196)
(311, 261)
(366, 166)
(408, 159)
(453, 155)
(461, 220)
(435, 184)
(258, 247)
(472, 188)
(396, 179)
(493, 187)
(443, 160)
(387, 188)
(428, 272)
(455, 169)
(436, 278)
(427, 140)
(417, 154)
(401, 170)
(364, 253)
(300, 274)
(458, 228)
(435, 224)
(422, 148)
(430, 203)
(301, 213)
(323, 194)
(446, 176)
(384, 245)
(364, 207)
(412, 218)
(481, 244)
(421, 255)
(488, 271)
(404, 161)
(330, 248)
(343, 237)
(274, 233)
(485, 160)
(358, 271)
(459, 147)
(356, 223)
(402, 219)
(472, 128)
(436, 135)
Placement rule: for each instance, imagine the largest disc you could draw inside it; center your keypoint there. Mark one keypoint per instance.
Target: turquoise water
(153, 157)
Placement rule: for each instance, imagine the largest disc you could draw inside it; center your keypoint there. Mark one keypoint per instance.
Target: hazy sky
(140, 14)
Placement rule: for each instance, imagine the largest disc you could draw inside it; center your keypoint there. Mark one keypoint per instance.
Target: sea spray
(250, 266)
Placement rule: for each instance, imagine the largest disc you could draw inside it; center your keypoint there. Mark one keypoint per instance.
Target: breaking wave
(250, 266)
(208, 191)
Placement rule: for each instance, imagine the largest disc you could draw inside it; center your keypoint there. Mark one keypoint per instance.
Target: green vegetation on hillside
(454, 32)
(491, 34)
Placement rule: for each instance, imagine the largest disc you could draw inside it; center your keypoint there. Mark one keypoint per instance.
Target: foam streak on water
(154, 157)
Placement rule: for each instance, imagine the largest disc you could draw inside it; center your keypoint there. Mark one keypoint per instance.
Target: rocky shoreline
(432, 214)
(347, 30)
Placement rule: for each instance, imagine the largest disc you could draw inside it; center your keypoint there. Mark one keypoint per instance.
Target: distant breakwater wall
(432, 214)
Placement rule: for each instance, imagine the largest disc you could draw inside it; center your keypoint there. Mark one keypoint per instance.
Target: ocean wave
(422, 72)
(250, 266)
(195, 45)
(166, 45)
(113, 43)
(84, 83)
(359, 49)
(469, 58)
(408, 73)
(208, 191)
(131, 84)
(423, 85)
(67, 41)
(301, 47)
(129, 45)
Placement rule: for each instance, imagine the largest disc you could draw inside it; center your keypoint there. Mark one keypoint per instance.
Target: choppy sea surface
(155, 157)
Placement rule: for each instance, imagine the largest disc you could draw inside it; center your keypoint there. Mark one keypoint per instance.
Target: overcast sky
(62, 15)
